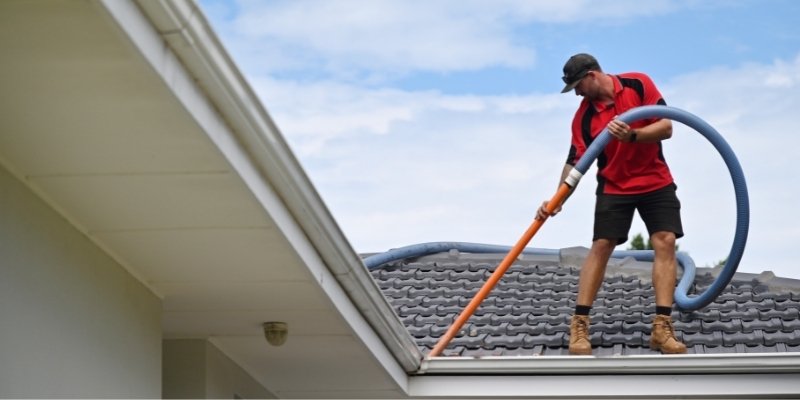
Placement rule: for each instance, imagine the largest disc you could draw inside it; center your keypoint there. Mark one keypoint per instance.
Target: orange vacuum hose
(558, 198)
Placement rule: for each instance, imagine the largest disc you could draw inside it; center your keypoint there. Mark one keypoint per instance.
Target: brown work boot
(579, 343)
(662, 337)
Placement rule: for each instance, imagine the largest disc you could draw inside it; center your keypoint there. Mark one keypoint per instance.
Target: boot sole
(580, 352)
(657, 347)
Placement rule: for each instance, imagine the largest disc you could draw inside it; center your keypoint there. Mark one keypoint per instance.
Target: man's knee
(603, 246)
(663, 241)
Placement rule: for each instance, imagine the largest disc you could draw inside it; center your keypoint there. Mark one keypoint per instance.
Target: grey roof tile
(737, 314)
(708, 339)
(770, 325)
(633, 339)
(509, 319)
(785, 305)
(409, 320)
(529, 311)
(403, 302)
(405, 310)
(470, 341)
(494, 329)
(687, 326)
(426, 291)
(505, 341)
(439, 301)
(635, 326)
(530, 329)
(391, 291)
(790, 337)
(731, 326)
(419, 331)
(549, 319)
(791, 325)
(729, 305)
(481, 318)
(558, 339)
(789, 313)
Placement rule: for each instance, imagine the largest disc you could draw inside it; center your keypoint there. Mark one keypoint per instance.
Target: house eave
(267, 156)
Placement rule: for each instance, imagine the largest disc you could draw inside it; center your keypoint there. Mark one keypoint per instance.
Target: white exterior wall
(73, 322)
(196, 368)
(184, 374)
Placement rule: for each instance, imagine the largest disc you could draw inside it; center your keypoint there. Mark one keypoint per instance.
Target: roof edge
(623, 365)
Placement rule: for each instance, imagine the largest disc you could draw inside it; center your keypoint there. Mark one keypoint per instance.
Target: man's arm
(542, 213)
(657, 131)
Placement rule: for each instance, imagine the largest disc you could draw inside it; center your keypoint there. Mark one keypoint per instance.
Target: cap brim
(570, 86)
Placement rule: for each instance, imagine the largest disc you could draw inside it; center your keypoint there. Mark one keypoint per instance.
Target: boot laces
(581, 328)
(669, 329)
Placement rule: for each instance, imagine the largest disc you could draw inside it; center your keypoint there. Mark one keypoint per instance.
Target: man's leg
(662, 336)
(591, 278)
(664, 267)
(593, 270)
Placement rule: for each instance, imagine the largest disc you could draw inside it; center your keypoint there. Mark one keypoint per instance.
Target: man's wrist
(632, 138)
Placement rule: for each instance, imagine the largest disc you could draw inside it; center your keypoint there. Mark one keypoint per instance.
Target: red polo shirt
(622, 168)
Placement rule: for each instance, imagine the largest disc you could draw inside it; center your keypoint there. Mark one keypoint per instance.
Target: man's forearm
(657, 131)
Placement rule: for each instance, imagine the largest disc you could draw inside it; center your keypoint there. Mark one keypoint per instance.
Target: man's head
(576, 68)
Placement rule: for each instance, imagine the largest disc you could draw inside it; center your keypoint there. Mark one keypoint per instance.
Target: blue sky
(442, 120)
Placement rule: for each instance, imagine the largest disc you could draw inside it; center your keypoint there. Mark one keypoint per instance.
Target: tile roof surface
(528, 312)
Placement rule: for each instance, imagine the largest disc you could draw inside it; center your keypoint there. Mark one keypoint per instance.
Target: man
(632, 175)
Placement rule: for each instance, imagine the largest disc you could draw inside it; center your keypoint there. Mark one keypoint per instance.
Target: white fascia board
(728, 386)
(618, 365)
(185, 52)
(578, 377)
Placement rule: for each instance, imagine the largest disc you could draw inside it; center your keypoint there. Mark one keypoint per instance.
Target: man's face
(587, 86)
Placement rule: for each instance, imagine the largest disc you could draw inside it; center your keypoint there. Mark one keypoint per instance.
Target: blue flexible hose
(682, 299)
(418, 250)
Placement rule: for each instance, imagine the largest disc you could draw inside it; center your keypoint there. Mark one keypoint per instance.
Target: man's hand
(542, 213)
(620, 130)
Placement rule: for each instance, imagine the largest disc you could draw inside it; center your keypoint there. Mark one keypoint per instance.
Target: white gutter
(768, 375)
(618, 365)
(192, 46)
(664, 386)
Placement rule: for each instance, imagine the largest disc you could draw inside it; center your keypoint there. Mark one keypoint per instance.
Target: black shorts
(660, 210)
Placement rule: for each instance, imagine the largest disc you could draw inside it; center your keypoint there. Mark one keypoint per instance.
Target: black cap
(576, 68)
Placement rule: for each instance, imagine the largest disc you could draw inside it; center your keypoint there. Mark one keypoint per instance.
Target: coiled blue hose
(682, 298)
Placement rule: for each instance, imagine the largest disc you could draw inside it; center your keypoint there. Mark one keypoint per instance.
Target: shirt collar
(599, 106)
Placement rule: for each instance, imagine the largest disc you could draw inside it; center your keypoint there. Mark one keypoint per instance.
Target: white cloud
(386, 35)
(358, 40)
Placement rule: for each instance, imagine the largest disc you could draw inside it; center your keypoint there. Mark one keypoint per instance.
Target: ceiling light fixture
(276, 332)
